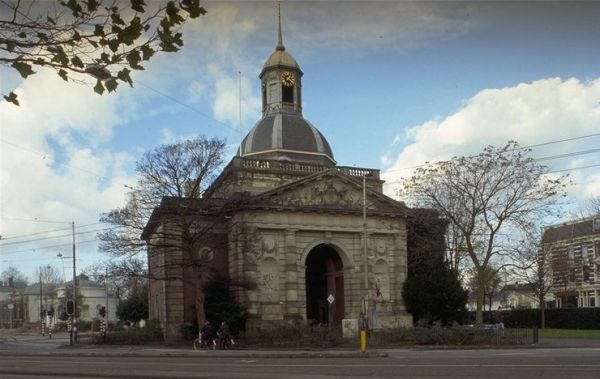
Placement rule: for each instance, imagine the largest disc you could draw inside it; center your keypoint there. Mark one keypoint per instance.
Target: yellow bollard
(363, 341)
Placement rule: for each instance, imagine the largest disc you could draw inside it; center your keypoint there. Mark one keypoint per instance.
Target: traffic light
(102, 311)
(51, 312)
(70, 307)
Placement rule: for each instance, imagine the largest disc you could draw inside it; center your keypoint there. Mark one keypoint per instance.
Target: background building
(575, 250)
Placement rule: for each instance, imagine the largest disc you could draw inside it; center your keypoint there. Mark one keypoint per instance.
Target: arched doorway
(324, 277)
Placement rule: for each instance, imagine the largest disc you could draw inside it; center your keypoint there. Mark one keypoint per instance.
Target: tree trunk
(542, 313)
(199, 303)
(480, 301)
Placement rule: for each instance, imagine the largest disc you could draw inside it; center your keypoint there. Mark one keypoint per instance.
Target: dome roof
(286, 136)
(281, 58)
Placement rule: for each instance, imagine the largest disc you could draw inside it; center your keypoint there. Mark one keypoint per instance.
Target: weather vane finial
(280, 38)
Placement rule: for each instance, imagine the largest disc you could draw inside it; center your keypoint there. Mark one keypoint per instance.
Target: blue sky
(390, 84)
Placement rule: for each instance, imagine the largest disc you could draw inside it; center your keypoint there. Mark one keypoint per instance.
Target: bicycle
(209, 344)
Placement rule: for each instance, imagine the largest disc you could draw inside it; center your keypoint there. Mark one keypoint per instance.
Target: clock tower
(283, 134)
(281, 83)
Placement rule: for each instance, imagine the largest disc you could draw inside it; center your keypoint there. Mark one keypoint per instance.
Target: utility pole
(74, 323)
(41, 304)
(106, 287)
(365, 261)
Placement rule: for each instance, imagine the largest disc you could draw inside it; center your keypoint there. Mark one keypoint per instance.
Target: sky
(390, 84)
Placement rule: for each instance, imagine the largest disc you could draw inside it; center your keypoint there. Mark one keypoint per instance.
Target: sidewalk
(569, 342)
(59, 345)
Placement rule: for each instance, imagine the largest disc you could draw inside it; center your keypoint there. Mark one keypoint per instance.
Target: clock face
(288, 79)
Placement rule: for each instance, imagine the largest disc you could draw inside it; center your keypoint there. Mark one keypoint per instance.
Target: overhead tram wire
(549, 172)
(61, 164)
(10, 237)
(51, 247)
(187, 106)
(59, 236)
(518, 148)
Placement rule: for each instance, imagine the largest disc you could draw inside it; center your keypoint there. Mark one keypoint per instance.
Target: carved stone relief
(268, 281)
(326, 193)
(381, 280)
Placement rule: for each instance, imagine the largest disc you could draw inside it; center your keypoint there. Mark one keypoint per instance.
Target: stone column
(291, 270)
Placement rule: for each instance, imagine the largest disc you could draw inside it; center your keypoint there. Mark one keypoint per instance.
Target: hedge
(558, 318)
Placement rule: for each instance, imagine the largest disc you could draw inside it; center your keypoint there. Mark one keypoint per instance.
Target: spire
(280, 46)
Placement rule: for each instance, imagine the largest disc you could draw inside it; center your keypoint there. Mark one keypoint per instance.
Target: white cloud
(55, 163)
(530, 113)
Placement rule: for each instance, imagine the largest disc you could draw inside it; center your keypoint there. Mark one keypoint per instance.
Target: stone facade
(287, 221)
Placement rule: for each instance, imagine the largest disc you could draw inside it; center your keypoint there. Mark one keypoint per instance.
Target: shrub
(456, 335)
(188, 331)
(293, 333)
(219, 306)
(133, 336)
(559, 318)
(435, 294)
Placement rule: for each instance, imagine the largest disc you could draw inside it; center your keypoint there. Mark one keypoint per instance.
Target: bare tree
(536, 270)
(172, 179)
(49, 275)
(124, 276)
(492, 283)
(490, 198)
(12, 274)
(90, 36)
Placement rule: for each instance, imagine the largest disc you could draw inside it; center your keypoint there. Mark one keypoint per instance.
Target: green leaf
(173, 13)
(104, 57)
(63, 74)
(114, 44)
(123, 75)
(92, 5)
(147, 52)
(74, 6)
(76, 36)
(77, 62)
(99, 88)
(111, 84)
(131, 32)
(42, 36)
(10, 46)
(12, 98)
(193, 8)
(116, 19)
(134, 59)
(59, 55)
(99, 30)
(138, 5)
(23, 68)
(22, 35)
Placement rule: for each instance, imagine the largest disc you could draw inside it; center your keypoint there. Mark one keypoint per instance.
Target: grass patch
(570, 333)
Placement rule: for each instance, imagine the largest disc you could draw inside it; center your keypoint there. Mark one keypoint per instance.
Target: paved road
(517, 363)
(36, 357)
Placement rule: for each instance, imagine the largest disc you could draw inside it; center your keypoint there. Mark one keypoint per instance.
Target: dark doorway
(324, 277)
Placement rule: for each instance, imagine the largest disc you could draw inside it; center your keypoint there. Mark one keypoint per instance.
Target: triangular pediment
(328, 190)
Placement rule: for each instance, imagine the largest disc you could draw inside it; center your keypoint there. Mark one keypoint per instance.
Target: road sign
(330, 299)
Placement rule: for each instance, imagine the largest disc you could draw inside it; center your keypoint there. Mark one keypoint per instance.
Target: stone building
(575, 262)
(317, 241)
